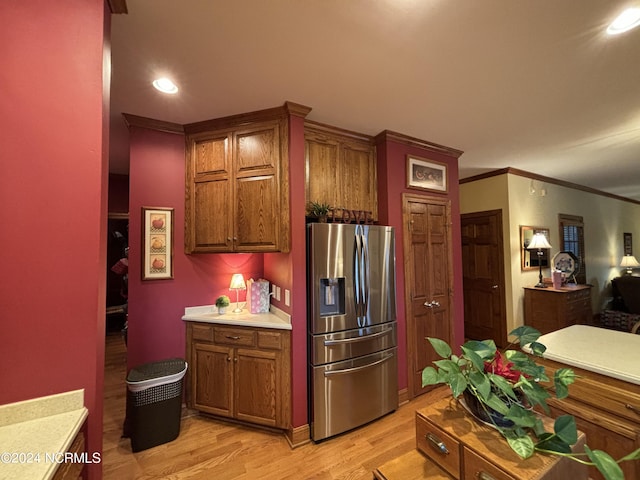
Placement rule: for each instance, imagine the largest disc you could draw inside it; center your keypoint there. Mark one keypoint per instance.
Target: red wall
(391, 186)
(156, 307)
(53, 202)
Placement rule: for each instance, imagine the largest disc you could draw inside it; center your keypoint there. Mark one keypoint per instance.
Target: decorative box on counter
(258, 295)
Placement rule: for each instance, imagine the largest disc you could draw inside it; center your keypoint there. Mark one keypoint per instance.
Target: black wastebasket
(154, 403)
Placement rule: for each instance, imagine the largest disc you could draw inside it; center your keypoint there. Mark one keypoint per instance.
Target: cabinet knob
(228, 359)
(432, 304)
(437, 443)
(235, 359)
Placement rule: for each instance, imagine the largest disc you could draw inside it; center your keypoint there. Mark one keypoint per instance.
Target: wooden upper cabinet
(236, 186)
(340, 168)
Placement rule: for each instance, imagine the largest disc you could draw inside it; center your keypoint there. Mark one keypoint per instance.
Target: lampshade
(538, 241)
(237, 282)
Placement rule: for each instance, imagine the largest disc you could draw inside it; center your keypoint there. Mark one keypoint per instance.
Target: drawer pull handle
(437, 443)
(232, 337)
(633, 409)
(484, 476)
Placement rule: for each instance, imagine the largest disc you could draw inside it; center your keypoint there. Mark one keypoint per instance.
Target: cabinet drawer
(235, 336)
(442, 448)
(604, 394)
(270, 340)
(202, 332)
(478, 468)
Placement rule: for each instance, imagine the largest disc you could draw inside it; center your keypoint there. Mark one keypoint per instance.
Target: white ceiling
(531, 84)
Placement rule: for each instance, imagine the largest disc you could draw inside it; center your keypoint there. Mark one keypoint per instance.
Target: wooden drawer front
(443, 449)
(478, 468)
(270, 340)
(202, 332)
(235, 336)
(579, 295)
(612, 397)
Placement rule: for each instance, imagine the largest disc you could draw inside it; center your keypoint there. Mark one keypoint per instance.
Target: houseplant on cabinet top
(504, 387)
(319, 210)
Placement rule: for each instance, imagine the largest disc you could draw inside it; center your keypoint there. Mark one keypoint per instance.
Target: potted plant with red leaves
(503, 389)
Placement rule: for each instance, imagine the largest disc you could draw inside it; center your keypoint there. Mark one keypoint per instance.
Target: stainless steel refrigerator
(353, 373)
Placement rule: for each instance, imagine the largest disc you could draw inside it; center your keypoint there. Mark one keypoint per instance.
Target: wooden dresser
(452, 445)
(550, 309)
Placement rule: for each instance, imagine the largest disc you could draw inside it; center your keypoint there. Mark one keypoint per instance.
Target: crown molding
(542, 178)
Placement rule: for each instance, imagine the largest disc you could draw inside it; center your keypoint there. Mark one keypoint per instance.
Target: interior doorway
(428, 281)
(117, 271)
(483, 277)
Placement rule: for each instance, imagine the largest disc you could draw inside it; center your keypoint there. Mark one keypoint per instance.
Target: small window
(572, 240)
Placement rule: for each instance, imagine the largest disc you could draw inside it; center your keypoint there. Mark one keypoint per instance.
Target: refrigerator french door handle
(329, 343)
(356, 273)
(357, 369)
(365, 271)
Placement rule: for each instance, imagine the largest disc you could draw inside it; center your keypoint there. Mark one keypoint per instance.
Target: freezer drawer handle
(356, 369)
(437, 443)
(328, 343)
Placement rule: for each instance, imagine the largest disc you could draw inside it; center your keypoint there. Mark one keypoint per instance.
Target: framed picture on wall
(628, 246)
(157, 243)
(426, 174)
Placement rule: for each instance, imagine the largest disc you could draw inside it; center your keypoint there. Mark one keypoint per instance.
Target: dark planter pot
(484, 413)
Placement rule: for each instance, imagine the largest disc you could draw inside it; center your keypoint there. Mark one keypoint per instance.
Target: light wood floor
(213, 449)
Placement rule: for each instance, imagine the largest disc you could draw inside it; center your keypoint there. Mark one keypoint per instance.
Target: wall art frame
(157, 243)
(424, 174)
(628, 243)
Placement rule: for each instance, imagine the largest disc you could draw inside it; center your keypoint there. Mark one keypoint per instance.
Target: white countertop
(276, 318)
(34, 433)
(607, 352)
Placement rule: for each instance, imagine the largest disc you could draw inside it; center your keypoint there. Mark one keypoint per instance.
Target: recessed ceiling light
(627, 20)
(165, 85)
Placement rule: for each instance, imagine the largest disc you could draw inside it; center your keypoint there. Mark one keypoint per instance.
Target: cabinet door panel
(322, 171)
(256, 390)
(213, 382)
(359, 174)
(213, 213)
(257, 150)
(256, 220)
(211, 155)
(603, 432)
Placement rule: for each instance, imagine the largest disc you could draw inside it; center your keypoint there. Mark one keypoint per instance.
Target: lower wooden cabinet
(606, 409)
(550, 309)
(72, 470)
(240, 372)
